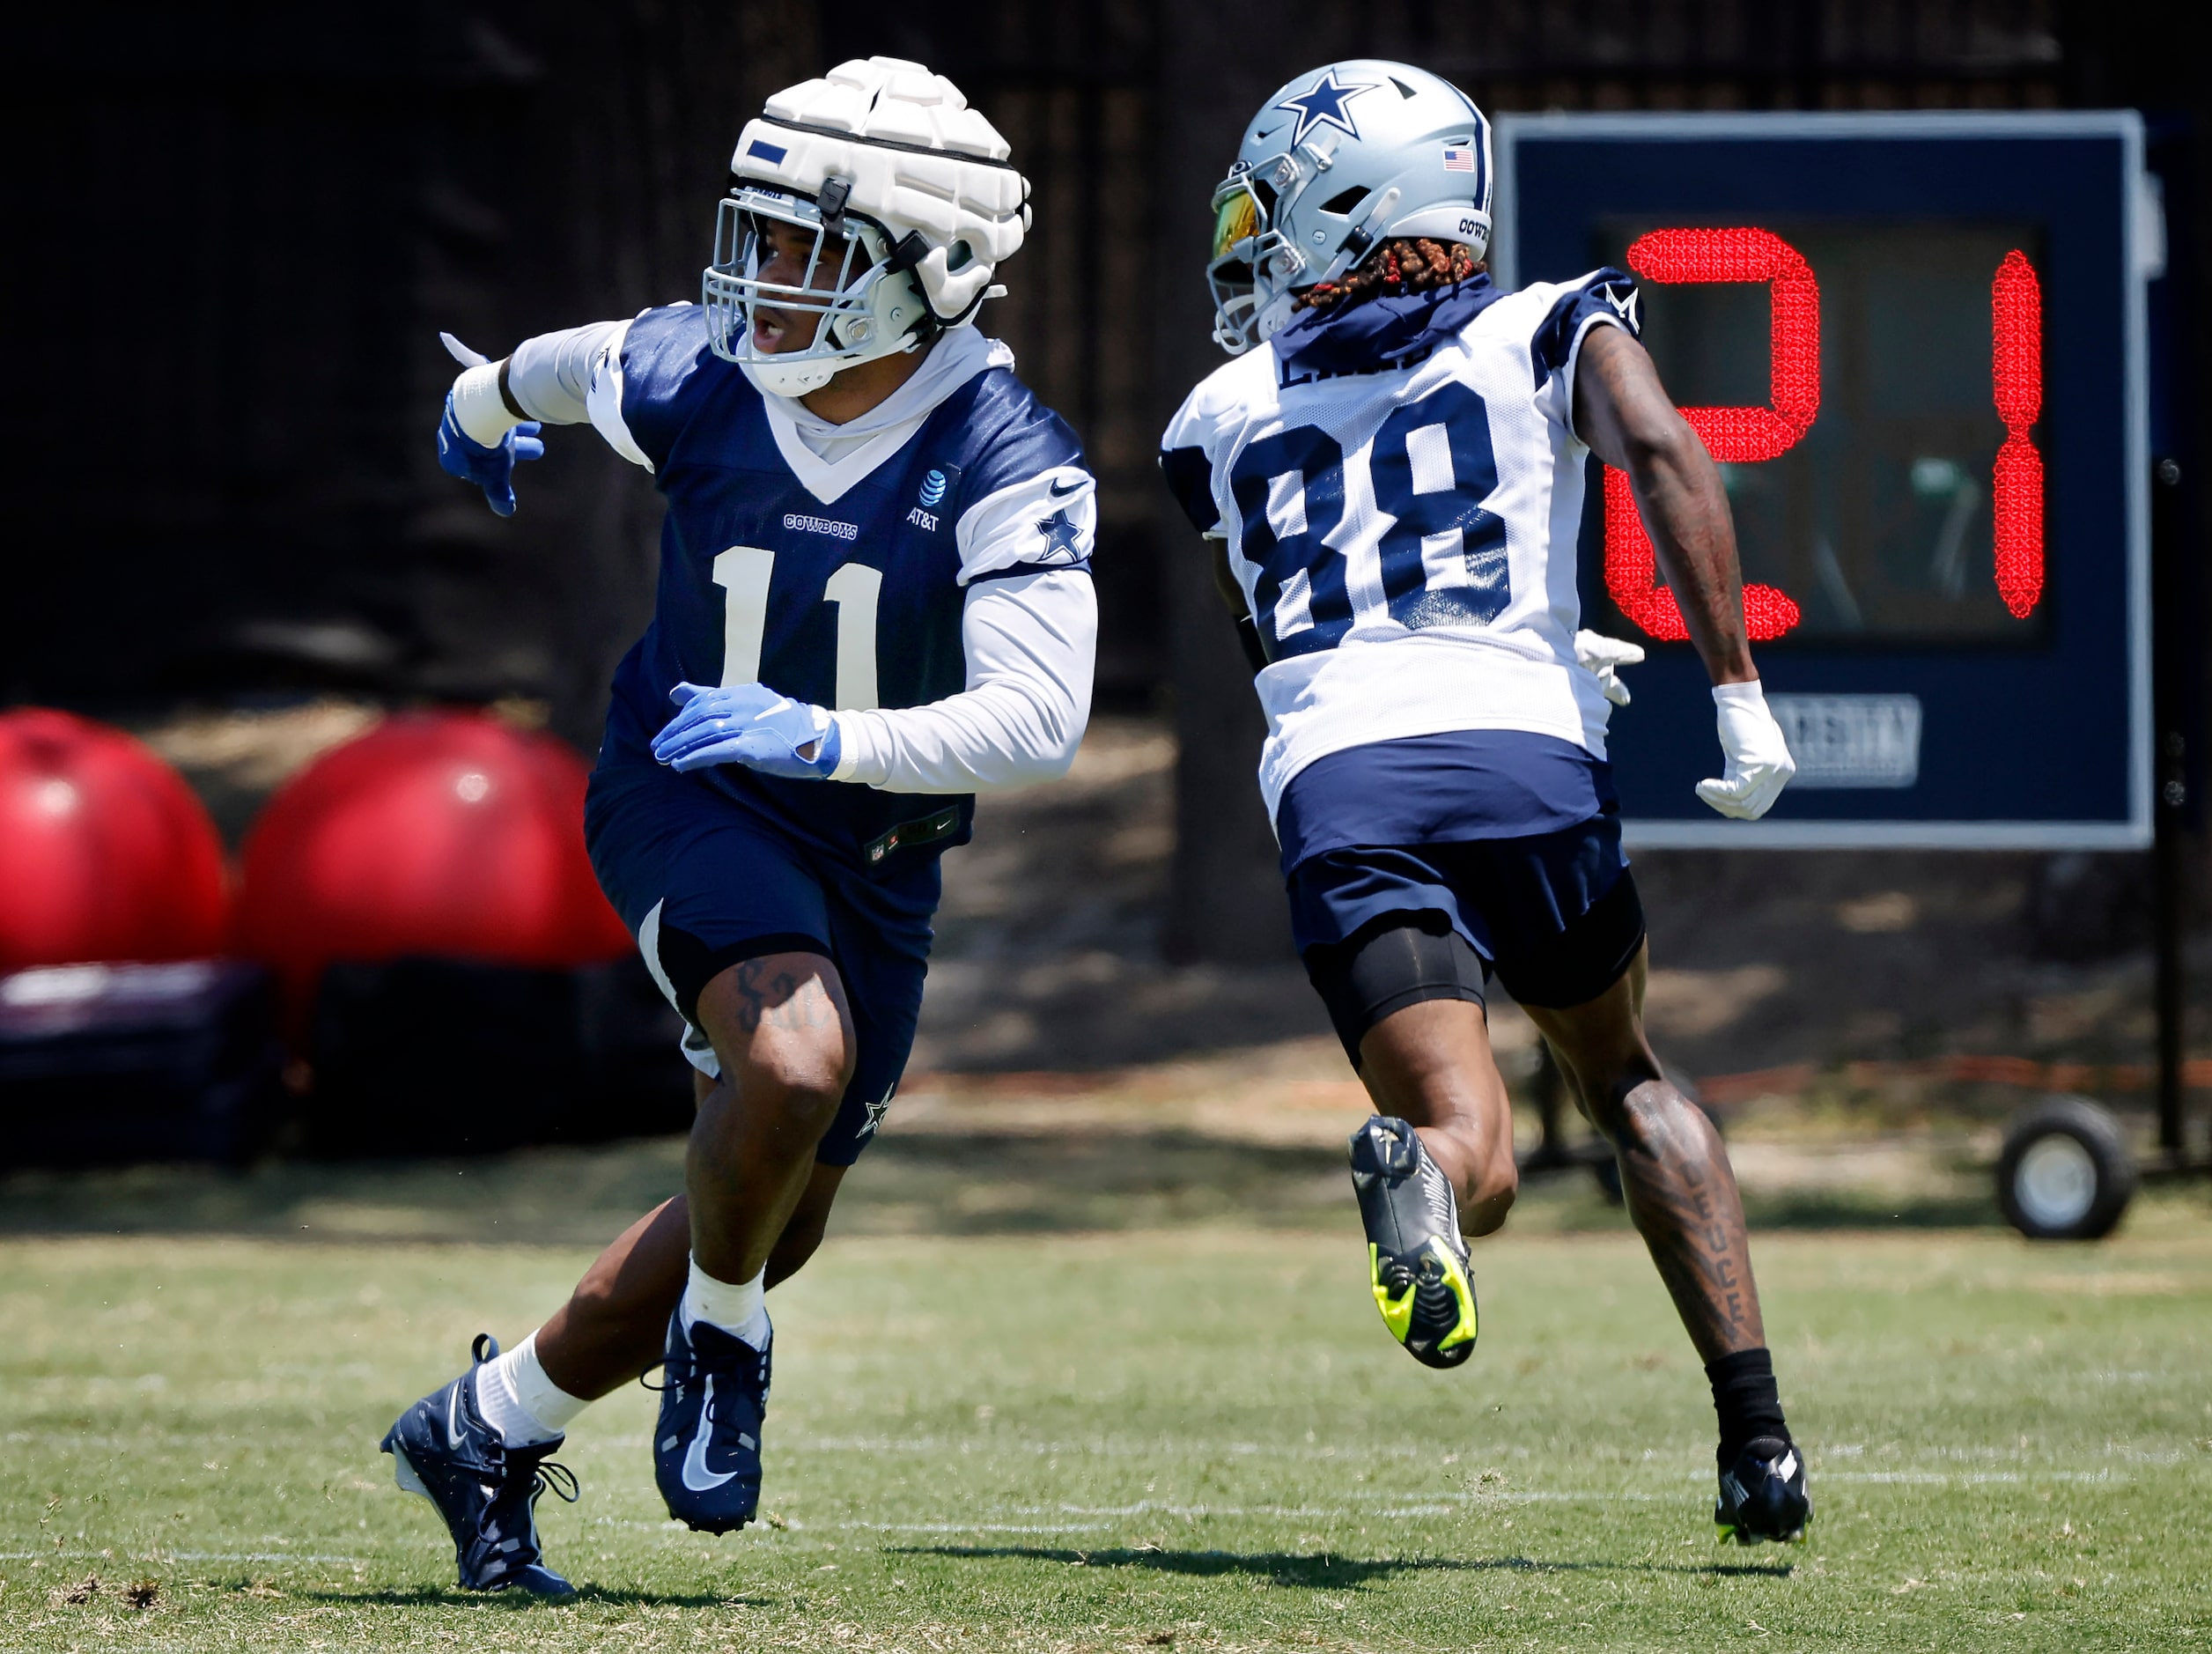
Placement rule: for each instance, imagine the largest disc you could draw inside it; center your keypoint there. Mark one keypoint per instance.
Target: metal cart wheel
(2065, 1172)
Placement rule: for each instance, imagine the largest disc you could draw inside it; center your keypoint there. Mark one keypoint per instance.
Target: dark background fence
(238, 228)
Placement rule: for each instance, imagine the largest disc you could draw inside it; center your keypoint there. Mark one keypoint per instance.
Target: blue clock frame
(2046, 746)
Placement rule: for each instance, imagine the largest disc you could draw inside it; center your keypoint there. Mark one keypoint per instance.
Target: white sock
(519, 1401)
(741, 1312)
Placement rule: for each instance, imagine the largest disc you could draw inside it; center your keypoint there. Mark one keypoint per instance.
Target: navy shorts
(703, 884)
(1535, 908)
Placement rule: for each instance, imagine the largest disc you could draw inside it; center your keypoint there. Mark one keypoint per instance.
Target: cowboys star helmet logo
(1321, 104)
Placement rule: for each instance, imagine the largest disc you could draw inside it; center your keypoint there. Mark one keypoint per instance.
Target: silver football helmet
(1344, 157)
(910, 204)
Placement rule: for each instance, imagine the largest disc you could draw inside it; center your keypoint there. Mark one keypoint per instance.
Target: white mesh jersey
(1406, 538)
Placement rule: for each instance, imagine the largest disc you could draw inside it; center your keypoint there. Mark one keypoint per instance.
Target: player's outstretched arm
(496, 410)
(1627, 416)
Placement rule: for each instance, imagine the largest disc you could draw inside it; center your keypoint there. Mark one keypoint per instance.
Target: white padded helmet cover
(914, 156)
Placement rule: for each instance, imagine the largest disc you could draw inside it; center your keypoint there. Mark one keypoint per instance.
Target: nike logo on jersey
(1061, 490)
(697, 1476)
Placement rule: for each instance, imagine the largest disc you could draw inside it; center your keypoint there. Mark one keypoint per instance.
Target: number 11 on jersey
(744, 571)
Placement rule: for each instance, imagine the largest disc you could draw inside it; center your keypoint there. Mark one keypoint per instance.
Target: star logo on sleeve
(1060, 533)
(1321, 104)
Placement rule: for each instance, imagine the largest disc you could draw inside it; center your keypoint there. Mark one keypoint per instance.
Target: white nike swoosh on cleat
(697, 1476)
(452, 1413)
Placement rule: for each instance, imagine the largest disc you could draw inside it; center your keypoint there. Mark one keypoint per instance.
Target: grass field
(1196, 1438)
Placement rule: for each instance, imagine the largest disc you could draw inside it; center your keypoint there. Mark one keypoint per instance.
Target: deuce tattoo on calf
(1682, 1195)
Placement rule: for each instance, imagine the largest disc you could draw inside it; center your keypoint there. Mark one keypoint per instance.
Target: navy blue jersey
(855, 603)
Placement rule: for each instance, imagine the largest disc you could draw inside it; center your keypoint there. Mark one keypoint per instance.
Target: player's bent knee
(805, 1082)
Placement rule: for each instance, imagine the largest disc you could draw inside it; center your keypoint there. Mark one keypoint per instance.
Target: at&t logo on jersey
(936, 484)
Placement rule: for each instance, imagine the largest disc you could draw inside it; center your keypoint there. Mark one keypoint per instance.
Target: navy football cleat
(1763, 1496)
(706, 1452)
(1417, 1259)
(487, 1491)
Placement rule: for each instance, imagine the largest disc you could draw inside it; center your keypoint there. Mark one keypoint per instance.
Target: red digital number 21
(1744, 436)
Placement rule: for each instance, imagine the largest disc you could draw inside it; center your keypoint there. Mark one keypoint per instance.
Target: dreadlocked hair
(1401, 265)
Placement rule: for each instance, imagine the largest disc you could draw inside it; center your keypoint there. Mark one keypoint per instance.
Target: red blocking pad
(442, 835)
(106, 854)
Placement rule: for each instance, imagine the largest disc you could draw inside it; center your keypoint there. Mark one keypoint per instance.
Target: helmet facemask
(1253, 265)
(855, 285)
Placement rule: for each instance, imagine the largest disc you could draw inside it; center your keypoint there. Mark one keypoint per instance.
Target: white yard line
(157, 1557)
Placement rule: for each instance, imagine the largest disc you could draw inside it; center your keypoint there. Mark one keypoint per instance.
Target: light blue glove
(749, 724)
(491, 469)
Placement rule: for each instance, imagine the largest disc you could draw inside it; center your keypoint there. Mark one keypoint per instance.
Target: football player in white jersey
(1391, 474)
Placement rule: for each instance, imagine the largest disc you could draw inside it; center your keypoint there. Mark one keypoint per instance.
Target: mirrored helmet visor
(1238, 216)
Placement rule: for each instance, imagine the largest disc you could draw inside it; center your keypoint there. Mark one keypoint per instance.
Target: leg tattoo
(1683, 1197)
(771, 994)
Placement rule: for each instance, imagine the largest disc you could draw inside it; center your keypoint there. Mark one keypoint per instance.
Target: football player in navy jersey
(874, 601)
(1391, 474)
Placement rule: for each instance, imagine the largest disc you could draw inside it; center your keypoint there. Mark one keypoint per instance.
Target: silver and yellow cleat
(1417, 1259)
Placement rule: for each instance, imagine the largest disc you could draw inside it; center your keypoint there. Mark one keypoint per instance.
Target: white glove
(1759, 761)
(1595, 652)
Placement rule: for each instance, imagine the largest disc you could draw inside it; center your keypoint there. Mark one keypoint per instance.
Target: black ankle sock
(1745, 1395)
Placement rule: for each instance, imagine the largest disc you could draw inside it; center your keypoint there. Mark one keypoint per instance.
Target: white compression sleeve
(550, 376)
(1030, 640)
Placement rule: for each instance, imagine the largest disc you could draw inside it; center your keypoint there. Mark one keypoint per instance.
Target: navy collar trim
(1380, 334)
